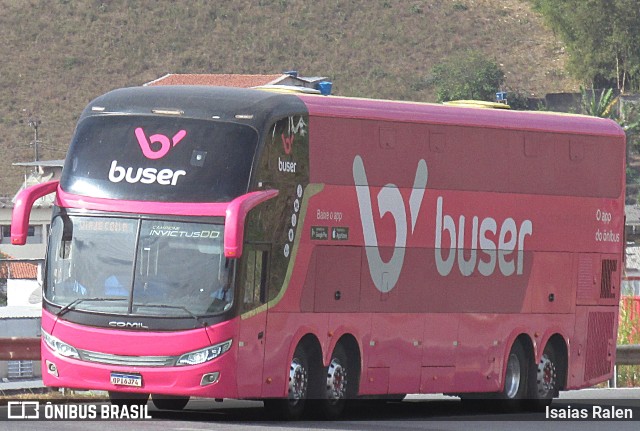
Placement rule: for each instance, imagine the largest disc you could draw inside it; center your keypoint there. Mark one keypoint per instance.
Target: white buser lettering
(486, 268)
(132, 175)
(286, 166)
(510, 238)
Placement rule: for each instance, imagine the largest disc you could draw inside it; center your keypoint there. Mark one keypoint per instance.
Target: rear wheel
(514, 392)
(515, 381)
(169, 402)
(337, 385)
(514, 378)
(292, 407)
(547, 378)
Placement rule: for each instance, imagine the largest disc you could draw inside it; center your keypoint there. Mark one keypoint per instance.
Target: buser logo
(156, 152)
(287, 165)
(287, 143)
(155, 147)
(493, 244)
(385, 274)
(132, 175)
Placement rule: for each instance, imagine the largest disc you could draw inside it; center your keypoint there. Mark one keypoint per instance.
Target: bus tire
(292, 407)
(514, 391)
(169, 402)
(336, 386)
(128, 398)
(545, 379)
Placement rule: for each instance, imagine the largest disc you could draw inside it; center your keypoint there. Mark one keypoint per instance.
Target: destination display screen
(153, 158)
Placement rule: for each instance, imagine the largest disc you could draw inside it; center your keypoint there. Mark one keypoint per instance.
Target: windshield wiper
(72, 304)
(176, 307)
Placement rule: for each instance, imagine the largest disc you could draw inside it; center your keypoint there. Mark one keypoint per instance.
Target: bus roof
(332, 106)
(197, 101)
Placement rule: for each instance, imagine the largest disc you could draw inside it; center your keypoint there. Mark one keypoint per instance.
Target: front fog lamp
(210, 378)
(204, 355)
(52, 368)
(60, 347)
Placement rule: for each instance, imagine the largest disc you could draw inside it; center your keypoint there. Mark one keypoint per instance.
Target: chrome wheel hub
(512, 380)
(297, 381)
(336, 381)
(546, 377)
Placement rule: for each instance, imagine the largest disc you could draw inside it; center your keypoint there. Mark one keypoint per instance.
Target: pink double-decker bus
(306, 250)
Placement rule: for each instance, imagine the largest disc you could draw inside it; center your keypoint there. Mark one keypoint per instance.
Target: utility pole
(34, 122)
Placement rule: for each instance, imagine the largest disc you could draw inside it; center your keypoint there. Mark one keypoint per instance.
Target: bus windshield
(138, 267)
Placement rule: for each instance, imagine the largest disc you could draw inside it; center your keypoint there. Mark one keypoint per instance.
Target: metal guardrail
(628, 354)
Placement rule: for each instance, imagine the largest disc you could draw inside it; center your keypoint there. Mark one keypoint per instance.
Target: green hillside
(59, 54)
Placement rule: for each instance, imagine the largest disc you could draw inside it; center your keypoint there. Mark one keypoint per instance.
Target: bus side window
(255, 279)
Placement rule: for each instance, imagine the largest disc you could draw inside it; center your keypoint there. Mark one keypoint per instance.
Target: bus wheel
(169, 402)
(515, 381)
(547, 381)
(337, 388)
(128, 398)
(292, 407)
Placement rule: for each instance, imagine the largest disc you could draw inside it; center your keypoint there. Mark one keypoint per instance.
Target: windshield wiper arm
(176, 307)
(72, 304)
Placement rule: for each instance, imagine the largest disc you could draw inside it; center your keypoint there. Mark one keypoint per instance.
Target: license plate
(122, 379)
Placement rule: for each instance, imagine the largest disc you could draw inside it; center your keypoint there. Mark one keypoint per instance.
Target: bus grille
(607, 288)
(139, 361)
(600, 339)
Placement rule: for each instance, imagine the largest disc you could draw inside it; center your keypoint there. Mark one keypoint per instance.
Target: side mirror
(235, 217)
(22, 209)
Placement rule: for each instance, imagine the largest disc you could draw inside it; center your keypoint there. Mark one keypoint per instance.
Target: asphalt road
(417, 412)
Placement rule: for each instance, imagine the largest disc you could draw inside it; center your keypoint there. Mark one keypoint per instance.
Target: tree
(602, 106)
(626, 115)
(609, 106)
(601, 38)
(467, 75)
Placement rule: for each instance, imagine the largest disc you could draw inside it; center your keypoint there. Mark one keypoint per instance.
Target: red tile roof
(19, 270)
(225, 80)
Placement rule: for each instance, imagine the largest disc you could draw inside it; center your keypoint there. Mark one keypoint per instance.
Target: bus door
(253, 319)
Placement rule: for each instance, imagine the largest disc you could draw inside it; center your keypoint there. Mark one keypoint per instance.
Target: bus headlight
(204, 355)
(60, 347)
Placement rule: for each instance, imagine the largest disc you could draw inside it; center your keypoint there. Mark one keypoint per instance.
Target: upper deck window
(159, 158)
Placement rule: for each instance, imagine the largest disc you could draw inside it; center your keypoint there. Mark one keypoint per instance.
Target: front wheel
(128, 398)
(169, 402)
